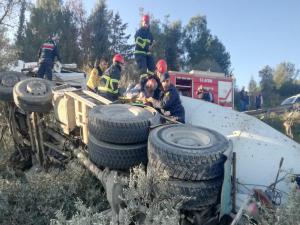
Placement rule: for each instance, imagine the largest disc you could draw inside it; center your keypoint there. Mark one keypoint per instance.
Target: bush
(140, 202)
(35, 196)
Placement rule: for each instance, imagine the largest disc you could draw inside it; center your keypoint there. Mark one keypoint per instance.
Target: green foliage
(253, 91)
(45, 21)
(99, 30)
(158, 49)
(35, 197)
(7, 51)
(267, 85)
(140, 202)
(276, 121)
(173, 49)
(168, 38)
(118, 38)
(204, 51)
(285, 72)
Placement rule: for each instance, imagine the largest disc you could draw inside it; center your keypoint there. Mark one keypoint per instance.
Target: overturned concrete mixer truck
(109, 139)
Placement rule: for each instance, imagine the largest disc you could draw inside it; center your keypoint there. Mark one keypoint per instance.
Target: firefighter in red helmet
(143, 44)
(109, 82)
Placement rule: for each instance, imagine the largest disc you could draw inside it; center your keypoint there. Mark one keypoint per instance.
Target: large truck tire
(7, 83)
(33, 95)
(114, 156)
(186, 152)
(201, 193)
(121, 123)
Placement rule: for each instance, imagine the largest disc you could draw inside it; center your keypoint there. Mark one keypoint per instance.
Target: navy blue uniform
(170, 101)
(47, 54)
(143, 40)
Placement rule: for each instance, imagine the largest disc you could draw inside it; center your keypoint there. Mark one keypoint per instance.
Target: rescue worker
(47, 54)
(109, 81)
(153, 84)
(143, 44)
(94, 79)
(169, 101)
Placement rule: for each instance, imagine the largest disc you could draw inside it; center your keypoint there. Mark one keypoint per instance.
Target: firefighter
(94, 79)
(153, 85)
(109, 81)
(169, 102)
(143, 44)
(47, 54)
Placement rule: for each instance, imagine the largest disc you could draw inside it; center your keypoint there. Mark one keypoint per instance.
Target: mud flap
(226, 200)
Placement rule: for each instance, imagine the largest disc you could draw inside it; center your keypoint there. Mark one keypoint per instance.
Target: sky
(255, 32)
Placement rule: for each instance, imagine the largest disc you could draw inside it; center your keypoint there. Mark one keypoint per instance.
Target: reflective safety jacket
(143, 39)
(48, 51)
(170, 101)
(109, 81)
(94, 78)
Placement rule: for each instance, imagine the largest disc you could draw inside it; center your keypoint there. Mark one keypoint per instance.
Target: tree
(21, 27)
(45, 21)
(204, 51)
(99, 30)
(49, 4)
(158, 50)
(252, 87)
(8, 10)
(118, 38)
(173, 38)
(268, 86)
(7, 52)
(285, 72)
(79, 15)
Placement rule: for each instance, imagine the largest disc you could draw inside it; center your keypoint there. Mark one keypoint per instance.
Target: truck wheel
(185, 152)
(201, 193)
(116, 156)
(7, 83)
(33, 95)
(120, 123)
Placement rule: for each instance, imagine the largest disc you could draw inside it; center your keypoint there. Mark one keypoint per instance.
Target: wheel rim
(9, 81)
(36, 88)
(186, 137)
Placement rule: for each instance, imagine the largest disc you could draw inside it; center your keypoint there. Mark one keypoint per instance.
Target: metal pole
(234, 182)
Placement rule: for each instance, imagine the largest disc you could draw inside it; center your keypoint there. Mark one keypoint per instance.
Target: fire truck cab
(218, 84)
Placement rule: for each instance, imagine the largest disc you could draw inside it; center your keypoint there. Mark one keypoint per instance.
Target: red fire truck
(218, 84)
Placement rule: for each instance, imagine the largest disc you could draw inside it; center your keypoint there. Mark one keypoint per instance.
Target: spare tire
(201, 193)
(187, 152)
(7, 83)
(121, 123)
(33, 95)
(116, 156)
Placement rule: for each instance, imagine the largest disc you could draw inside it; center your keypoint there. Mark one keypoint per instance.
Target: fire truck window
(184, 86)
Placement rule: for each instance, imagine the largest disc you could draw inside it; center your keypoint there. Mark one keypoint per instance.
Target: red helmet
(146, 19)
(151, 84)
(118, 58)
(161, 66)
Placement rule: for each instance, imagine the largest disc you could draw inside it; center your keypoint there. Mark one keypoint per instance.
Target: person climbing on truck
(143, 44)
(94, 79)
(109, 82)
(169, 102)
(47, 54)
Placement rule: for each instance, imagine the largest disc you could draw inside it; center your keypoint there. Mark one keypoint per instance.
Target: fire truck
(220, 86)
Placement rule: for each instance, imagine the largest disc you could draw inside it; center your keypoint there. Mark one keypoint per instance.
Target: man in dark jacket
(143, 44)
(109, 81)
(47, 53)
(169, 101)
